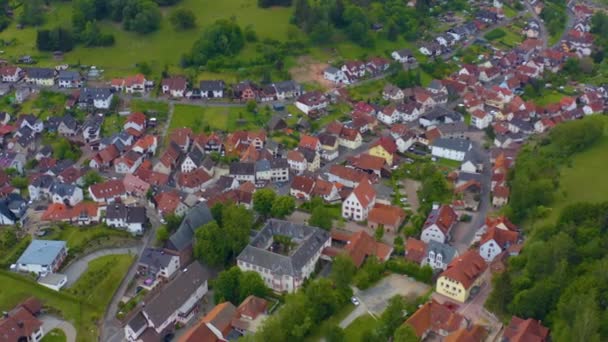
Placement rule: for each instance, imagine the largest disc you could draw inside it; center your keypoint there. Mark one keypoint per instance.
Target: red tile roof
(167, 202)
(137, 118)
(475, 333)
(415, 250)
(365, 193)
(500, 236)
(387, 215)
(435, 317)
(303, 184)
(310, 142)
(108, 189)
(444, 217)
(466, 268)
(529, 330)
(367, 162)
(361, 245)
(387, 143)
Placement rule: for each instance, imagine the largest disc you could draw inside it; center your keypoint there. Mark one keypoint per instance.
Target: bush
(423, 274)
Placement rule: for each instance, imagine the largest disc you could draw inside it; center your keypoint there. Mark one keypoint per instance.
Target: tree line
(561, 277)
(535, 177)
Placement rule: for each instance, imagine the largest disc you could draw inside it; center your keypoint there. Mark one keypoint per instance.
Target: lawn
(226, 119)
(152, 108)
(585, 181)
(160, 48)
(112, 124)
(103, 276)
(16, 288)
(78, 239)
(448, 163)
(10, 256)
(369, 90)
(360, 326)
(549, 97)
(55, 335)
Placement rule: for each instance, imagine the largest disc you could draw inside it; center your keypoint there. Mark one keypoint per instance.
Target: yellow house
(462, 275)
(385, 148)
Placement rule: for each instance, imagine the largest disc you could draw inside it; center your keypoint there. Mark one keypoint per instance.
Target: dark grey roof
(461, 145)
(90, 94)
(287, 86)
(466, 176)
(309, 240)
(452, 128)
(40, 73)
(279, 163)
(138, 322)
(238, 168)
(93, 123)
(196, 156)
(129, 214)
(62, 189)
(276, 122)
(69, 122)
(331, 70)
(6, 211)
(212, 85)
(405, 52)
(155, 258)
(224, 182)
(436, 85)
(68, 75)
(44, 182)
(262, 165)
(46, 150)
(308, 154)
(447, 252)
(208, 163)
(176, 293)
(195, 218)
(440, 112)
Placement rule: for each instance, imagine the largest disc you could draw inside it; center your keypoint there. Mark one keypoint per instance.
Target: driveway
(50, 322)
(375, 299)
(79, 266)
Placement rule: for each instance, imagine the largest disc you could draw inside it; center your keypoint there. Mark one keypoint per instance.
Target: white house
(297, 162)
(158, 263)
(312, 102)
(335, 75)
(68, 194)
(132, 219)
(284, 272)
(480, 119)
(389, 115)
(42, 257)
(212, 89)
(403, 56)
(100, 98)
(438, 224)
(453, 149)
(10, 74)
(43, 77)
(360, 201)
(494, 241)
(439, 255)
(175, 86)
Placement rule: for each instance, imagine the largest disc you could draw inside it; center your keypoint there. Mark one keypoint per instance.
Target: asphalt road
(79, 266)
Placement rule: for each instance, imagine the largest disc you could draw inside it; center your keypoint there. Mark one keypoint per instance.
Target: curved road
(50, 322)
(74, 270)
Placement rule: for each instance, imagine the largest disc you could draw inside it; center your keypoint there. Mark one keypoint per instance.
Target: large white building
(284, 267)
(438, 224)
(42, 257)
(453, 149)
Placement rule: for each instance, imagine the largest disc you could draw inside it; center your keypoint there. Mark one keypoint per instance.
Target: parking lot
(375, 299)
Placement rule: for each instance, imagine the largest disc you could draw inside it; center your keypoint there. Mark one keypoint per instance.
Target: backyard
(226, 119)
(55, 335)
(158, 109)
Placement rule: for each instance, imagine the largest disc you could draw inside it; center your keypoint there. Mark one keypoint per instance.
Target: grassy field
(16, 288)
(160, 48)
(98, 284)
(227, 119)
(113, 124)
(549, 97)
(151, 108)
(358, 327)
(55, 335)
(79, 239)
(585, 181)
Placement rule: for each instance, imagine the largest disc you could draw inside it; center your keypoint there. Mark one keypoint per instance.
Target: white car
(403, 199)
(355, 301)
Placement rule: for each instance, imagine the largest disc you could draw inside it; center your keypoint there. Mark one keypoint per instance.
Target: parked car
(355, 301)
